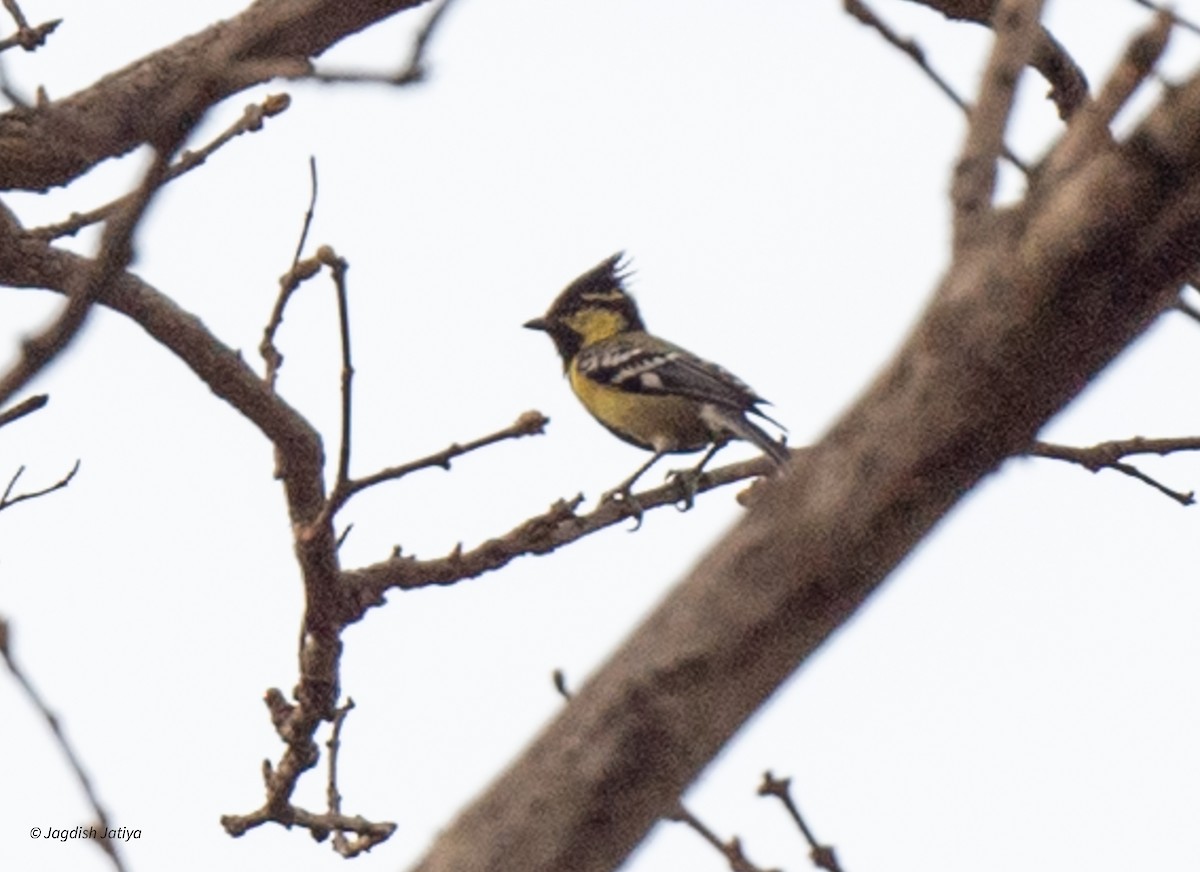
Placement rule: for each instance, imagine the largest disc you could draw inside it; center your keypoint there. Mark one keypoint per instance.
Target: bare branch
(116, 252)
(269, 39)
(822, 856)
(1015, 25)
(309, 212)
(1109, 455)
(23, 408)
(337, 266)
(413, 72)
(860, 11)
(17, 15)
(367, 837)
(289, 282)
(1068, 85)
(299, 272)
(1090, 131)
(250, 122)
(30, 38)
(532, 423)
(7, 499)
(557, 526)
(731, 850)
(278, 807)
(108, 845)
(1175, 17)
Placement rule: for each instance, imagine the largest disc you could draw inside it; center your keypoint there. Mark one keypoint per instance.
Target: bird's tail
(743, 428)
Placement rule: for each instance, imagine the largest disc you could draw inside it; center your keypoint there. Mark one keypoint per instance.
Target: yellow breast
(656, 423)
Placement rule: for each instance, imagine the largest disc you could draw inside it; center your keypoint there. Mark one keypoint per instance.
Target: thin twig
(412, 72)
(109, 846)
(337, 266)
(1175, 17)
(530, 423)
(289, 282)
(862, 13)
(1111, 454)
(560, 684)
(30, 38)
(251, 121)
(23, 408)
(366, 838)
(822, 856)
(731, 850)
(7, 500)
(309, 212)
(1068, 84)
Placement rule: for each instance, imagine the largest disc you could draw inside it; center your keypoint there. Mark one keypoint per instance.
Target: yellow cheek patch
(592, 325)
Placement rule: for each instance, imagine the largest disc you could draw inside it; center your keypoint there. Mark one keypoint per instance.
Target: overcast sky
(1020, 695)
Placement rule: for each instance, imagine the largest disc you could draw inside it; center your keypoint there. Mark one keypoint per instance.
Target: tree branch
(1068, 85)
(116, 251)
(7, 499)
(1016, 23)
(68, 751)
(54, 143)
(23, 408)
(250, 122)
(1109, 455)
(863, 13)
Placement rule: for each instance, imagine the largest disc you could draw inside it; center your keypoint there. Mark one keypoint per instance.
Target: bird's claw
(624, 496)
(689, 483)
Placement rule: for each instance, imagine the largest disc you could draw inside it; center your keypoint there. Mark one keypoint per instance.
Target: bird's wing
(643, 364)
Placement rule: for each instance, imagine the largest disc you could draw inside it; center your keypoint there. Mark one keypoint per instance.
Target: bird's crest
(603, 286)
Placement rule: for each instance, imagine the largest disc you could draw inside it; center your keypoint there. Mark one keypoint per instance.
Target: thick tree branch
(1016, 329)
(52, 144)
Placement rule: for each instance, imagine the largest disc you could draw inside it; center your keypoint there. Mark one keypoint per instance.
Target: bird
(646, 390)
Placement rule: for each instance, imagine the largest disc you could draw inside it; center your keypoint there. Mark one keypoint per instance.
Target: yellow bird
(644, 389)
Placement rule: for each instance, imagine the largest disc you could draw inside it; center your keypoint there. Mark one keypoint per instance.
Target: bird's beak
(538, 324)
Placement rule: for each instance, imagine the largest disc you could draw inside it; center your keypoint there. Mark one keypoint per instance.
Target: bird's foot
(688, 481)
(623, 496)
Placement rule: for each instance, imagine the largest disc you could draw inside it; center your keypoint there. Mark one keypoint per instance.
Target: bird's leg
(624, 491)
(689, 479)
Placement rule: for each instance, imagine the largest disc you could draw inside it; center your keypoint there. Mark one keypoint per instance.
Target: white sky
(1021, 695)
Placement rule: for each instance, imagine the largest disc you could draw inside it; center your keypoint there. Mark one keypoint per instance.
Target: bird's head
(595, 306)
